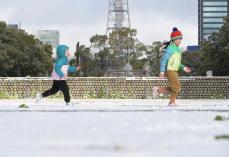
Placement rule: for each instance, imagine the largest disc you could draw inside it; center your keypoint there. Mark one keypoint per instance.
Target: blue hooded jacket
(62, 60)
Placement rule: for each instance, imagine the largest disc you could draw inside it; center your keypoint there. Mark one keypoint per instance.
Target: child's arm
(73, 69)
(164, 60)
(185, 69)
(182, 66)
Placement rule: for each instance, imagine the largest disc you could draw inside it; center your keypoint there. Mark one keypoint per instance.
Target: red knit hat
(176, 34)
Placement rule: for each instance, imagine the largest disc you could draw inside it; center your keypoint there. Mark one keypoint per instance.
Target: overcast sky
(78, 20)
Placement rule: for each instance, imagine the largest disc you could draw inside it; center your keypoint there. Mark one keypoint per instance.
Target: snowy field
(113, 128)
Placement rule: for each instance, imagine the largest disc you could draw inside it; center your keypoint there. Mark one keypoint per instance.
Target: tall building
(50, 37)
(211, 14)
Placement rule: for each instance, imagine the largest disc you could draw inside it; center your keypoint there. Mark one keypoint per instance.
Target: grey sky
(80, 19)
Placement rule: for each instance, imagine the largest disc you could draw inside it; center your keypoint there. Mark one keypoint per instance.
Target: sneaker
(70, 104)
(38, 97)
(172, 105)
(155, 92)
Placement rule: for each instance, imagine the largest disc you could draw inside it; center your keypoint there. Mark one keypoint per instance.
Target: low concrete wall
(133, 88)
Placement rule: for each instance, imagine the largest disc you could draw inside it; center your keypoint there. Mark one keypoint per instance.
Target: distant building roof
(193, 48)
(12, 26)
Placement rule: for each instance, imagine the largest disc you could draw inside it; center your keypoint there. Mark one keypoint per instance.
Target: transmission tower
(118, 15)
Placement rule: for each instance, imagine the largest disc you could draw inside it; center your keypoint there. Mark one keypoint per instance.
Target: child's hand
(187, 70)
(78, 68)
(162, 75)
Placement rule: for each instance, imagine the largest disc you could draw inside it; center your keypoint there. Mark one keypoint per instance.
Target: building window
(210, 31)
(213, 20)
(212, 25)
(206, 36)
(214, 3)
(214, 14)
(215, 8)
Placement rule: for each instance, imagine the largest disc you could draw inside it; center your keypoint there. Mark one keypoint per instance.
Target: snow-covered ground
(113, 128)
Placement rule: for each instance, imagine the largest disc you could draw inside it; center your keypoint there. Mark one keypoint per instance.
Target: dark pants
(59, 85)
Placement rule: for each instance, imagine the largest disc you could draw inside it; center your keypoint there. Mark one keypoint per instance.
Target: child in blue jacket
(60, 75)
